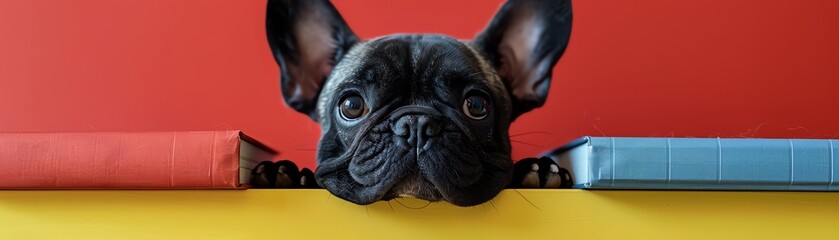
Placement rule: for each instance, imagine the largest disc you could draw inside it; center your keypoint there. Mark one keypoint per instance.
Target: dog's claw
(259, 178)
(307, 179)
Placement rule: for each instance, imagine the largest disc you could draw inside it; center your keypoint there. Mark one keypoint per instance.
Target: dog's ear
(307, 38)
(524, 41)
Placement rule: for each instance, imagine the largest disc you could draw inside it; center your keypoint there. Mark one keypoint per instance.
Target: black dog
(417, 115)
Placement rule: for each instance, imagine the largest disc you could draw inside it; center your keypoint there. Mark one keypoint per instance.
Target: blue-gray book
(701, 163)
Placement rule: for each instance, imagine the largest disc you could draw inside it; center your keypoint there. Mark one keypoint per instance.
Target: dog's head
(416, 115)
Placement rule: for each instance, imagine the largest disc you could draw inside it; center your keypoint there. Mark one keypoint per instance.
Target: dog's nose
(416, 129)
(423, 126)
(415, 125)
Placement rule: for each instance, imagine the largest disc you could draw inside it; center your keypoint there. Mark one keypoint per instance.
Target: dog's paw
(281, 174)
(540, 173)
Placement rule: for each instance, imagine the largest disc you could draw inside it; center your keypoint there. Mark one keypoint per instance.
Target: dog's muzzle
(417, 151)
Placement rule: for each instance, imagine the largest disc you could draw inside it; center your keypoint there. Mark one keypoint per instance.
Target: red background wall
(715, 68)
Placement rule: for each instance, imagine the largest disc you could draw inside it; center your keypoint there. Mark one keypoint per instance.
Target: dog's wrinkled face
(416, 115)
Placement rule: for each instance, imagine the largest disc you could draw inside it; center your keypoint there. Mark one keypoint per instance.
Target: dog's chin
(414, 186)
(463, 176)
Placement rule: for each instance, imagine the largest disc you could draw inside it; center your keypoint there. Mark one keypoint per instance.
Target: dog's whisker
(528, 200)
(391, 206)
(526, 143)
(415, 208)
(531, 133)
(493, 206)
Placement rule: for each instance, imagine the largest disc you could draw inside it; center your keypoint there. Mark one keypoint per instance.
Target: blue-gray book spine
(701, 163)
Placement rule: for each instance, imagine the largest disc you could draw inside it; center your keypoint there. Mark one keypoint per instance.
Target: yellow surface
(514, 214)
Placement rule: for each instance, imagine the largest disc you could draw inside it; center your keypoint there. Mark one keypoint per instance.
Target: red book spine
(154, 160)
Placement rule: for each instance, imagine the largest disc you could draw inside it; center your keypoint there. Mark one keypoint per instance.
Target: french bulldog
(418, 115)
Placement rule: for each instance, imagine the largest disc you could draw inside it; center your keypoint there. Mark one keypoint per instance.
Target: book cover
(701, 163)
(129, 160)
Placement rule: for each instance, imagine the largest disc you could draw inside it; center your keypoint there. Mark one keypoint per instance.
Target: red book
(122, 160)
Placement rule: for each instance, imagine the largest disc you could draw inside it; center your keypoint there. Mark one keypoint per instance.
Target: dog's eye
(475, 107)
(352, 107)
